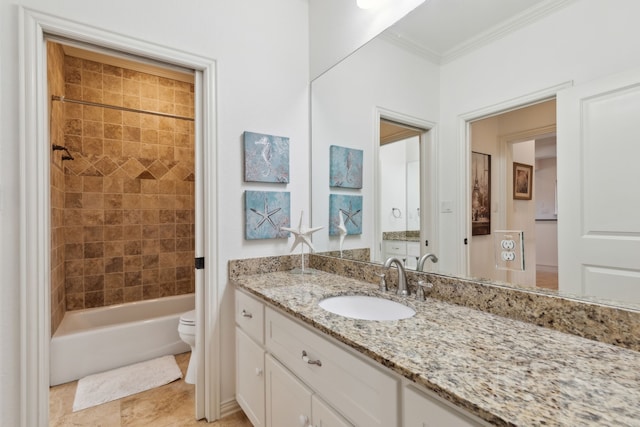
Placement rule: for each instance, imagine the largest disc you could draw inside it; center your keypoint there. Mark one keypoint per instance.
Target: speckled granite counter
(505, 371)
(408, 235)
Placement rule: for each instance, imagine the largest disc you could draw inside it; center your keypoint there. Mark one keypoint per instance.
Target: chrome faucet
(425, 257)
(402, 275)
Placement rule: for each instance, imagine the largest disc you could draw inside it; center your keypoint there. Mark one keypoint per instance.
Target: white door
(598, 179)
(324, 416)
(288, 400)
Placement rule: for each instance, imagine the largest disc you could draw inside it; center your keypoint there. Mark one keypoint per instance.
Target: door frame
(34, 206)
(464, 166)
(428, 178)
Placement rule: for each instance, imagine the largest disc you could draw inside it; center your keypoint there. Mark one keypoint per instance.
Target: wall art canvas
(351, 209)
(480, 194)
(266, 158)
(265, 213)
(522, 181)
(345, 167)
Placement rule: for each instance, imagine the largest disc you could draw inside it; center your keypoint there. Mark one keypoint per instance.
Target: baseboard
(229, 407)
(547, 268)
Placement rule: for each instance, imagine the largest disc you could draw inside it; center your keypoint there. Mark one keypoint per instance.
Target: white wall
(262, 56)
(583, 41)
(393, 188)
(522, 216)
(344, 103)
(397, 161)
(545, 188)
(339, 27)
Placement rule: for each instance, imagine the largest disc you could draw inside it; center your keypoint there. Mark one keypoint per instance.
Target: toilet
(187, 332)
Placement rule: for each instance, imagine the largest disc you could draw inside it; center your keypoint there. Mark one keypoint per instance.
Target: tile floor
(169, 405)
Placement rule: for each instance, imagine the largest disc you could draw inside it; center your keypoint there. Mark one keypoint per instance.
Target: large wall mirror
(460, 99)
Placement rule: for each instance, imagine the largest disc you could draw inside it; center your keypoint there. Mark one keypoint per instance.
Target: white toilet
(187, 331)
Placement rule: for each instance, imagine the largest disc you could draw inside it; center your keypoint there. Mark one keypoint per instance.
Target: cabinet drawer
(250, 316)
(364, 394)
(395, 247)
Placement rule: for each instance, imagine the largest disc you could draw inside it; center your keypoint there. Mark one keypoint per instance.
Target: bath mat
(104, 387)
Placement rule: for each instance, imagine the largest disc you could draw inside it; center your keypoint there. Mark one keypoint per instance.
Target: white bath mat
(100, 388)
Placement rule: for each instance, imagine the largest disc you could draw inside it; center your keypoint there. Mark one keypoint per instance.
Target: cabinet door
(422, 411)
(288, 400)
(250, 378)
(325, 416)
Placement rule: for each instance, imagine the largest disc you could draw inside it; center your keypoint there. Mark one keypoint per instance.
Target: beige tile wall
(129, 193)
(55, 77)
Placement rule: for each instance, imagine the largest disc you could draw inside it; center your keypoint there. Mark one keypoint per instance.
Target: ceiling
(445, 29)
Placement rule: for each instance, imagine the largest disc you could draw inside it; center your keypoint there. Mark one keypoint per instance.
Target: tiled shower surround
(129, 193)
(55, 77)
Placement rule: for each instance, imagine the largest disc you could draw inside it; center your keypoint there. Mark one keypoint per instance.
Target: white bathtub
(98, 339)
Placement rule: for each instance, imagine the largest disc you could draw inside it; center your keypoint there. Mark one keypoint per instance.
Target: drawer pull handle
(245, 314)
(310, 362)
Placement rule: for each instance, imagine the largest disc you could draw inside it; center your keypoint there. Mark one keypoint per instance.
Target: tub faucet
(402, 275)
(425, 257)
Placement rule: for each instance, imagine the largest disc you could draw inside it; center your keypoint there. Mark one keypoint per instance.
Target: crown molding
(494, 33)
(505, 28)
(411, 46)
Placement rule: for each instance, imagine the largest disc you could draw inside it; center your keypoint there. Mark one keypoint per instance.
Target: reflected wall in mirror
(543, 57)
(347, 103)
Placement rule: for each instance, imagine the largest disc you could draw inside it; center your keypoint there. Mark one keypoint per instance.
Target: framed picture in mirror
(345, 167)
(522, 181)
(480, 194)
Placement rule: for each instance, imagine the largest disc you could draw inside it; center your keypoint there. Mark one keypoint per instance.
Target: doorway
(519, 141)
(36, 207)
(405, 178)
(122, 193)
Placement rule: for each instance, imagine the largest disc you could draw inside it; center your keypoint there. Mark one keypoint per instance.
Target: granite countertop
(505, 371)
(404, 236)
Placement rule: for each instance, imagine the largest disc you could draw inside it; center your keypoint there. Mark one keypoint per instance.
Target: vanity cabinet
(250, 387)
(422, 410)
(291, 403)
(363, 393)
(289, 375)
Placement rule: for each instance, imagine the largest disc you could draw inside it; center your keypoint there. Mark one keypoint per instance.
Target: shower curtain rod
(115, 107)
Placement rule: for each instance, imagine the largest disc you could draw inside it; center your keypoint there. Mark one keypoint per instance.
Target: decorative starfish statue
(342, 229)
(302, 235)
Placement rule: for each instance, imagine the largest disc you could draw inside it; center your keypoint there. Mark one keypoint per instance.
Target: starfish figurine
(342, 229)
(302, 234)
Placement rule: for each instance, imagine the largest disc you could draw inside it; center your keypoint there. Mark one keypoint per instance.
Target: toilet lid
(188, 318)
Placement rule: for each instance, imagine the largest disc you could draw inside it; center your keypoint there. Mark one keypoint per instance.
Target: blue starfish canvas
(351, 208)
(265, 213)
(266, 158)
(345, 167)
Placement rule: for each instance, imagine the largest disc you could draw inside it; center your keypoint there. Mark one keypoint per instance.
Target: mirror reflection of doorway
(400, 192)
(525, 136)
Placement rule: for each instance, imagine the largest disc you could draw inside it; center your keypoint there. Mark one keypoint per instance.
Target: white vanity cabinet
(422, 410)
(250, 390)
(290, 375)
(357, 389)
(291, 403)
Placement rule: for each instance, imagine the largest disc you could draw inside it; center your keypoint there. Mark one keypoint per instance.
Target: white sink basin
(366, 307)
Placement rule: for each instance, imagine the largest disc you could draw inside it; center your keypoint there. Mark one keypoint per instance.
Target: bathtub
(98, 339)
